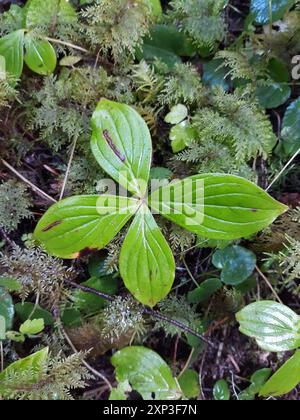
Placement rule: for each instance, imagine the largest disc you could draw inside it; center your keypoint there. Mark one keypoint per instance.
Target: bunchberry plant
(276, 328)
(211, 205)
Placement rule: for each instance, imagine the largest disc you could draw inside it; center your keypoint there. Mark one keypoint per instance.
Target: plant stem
(283, 169)
(67, 44)
(31, 185)
(187, 363)
(90, 368)
(68, 169)
(269, 285)
(147, 311)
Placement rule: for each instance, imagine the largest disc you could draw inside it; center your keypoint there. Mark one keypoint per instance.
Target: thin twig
(68, 169)
(90, 368)
(146, 311)
(31, 185)
(187, 363)
(67, 44)
(283, 169)
(189, 272)
(175, 352)
(269, 284)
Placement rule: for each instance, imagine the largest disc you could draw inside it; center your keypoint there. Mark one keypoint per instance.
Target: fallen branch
(147, 311)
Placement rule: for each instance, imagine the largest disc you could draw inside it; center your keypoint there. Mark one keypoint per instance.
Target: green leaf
(10, 284)
(291, 128)
(259, 378)
(274, 95)
(181, 135)
(221, 391)
(35, 363)
(2, 328)
(217, 206)
(204, 291)
(83, 223)
(147, 373)
(13, 18)
(15, 336)
(156, 7)
(278, 70)
(24, 310)
(261, 10)
(40, 56)
(285, 379)
(120, 393)
(247, 286)
(90, 303)
(44, 13)
(214, 74)
(71, 318)
(167, 44)
(237, 264)
(274, 326)
(177, 114)
(32, 327)
(189, 383)
(147, 264)
(6, 308)
(12, 49)
(121, 143)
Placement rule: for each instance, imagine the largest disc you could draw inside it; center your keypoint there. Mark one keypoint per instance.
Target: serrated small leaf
(262, 12)
(285, 379)
(146, 372)
(10, 284)
(122, 145)
(177, 114)
(217, 206)
(83, 223)
(181, 135)
(274, 326)
(12, 49)
(147, 264)
(31, 327)
(40, 56)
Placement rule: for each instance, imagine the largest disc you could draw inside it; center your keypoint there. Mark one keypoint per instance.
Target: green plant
(121, 143)
(201, 20)
(12, 192)
(276, 328)
(41, 377)
(118, 29)
(25, 40)
(147, 373)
